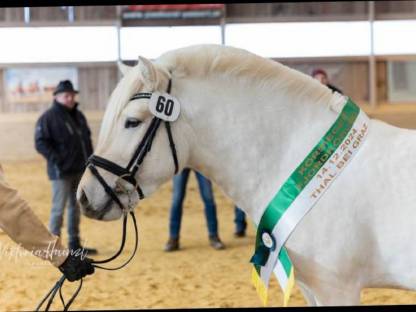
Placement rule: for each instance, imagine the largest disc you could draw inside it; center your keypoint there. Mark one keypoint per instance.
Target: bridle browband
(127, 174)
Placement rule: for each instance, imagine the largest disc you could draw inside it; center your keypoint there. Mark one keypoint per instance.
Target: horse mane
(248, 68)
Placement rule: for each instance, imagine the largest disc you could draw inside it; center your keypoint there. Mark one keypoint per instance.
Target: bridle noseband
(128, 173)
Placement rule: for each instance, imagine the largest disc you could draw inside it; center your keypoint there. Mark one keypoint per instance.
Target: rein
(58, 286)
(127, 174)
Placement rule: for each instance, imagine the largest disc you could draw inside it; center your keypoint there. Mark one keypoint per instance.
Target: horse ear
(124, 69)
(147, 70)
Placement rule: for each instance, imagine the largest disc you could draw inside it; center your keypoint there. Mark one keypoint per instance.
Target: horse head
(132, 157)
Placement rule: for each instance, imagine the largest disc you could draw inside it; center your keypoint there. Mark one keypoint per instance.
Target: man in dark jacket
(63, 137)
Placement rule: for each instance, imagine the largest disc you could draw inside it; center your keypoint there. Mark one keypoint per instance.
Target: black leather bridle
(128, 174)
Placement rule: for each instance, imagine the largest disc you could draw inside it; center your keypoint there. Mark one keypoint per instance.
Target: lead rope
(58, 286)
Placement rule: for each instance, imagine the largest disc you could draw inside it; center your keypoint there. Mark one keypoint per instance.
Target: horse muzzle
(107, 211)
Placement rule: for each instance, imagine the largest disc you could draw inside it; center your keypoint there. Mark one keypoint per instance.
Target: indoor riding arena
(365, 49)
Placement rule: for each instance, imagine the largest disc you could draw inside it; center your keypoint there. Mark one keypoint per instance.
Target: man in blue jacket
(63, 137)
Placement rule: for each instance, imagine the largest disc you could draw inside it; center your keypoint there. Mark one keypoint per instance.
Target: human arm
(20, 223)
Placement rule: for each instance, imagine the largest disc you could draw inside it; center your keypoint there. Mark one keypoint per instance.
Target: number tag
(164, 106)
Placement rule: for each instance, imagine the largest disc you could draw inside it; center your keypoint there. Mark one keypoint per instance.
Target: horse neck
(248, 140)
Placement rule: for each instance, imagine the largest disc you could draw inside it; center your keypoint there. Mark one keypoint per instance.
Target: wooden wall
(48, 13)
(57, 13)
(96, 12)
(95, 85)
(321, 10)
(394, 7)
(351, 76)
(299, 9)
(11, 14)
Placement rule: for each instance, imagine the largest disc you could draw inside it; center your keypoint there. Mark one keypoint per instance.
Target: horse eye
(132, 123)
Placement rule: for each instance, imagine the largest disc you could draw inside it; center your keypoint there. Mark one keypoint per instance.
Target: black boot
(241, 233)
(75, 247)
(172, 244)
(216, 243)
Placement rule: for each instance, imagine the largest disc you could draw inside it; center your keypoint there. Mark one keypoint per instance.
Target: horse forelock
(131, 83)
(117, 102)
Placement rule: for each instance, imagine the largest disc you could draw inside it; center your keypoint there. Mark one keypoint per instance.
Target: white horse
(246, 123)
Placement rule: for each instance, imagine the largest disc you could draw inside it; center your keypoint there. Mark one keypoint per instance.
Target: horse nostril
(83, 200)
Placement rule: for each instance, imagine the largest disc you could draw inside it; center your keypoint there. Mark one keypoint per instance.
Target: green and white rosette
(299, 194)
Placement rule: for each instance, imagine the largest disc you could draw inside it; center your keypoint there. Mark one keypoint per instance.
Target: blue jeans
(63, 191)
(239, 220)
(179, 190)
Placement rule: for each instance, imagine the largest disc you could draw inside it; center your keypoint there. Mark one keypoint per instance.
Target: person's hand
(76, 267)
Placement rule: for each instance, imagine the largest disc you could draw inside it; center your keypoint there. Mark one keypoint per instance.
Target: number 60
(164, 105)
